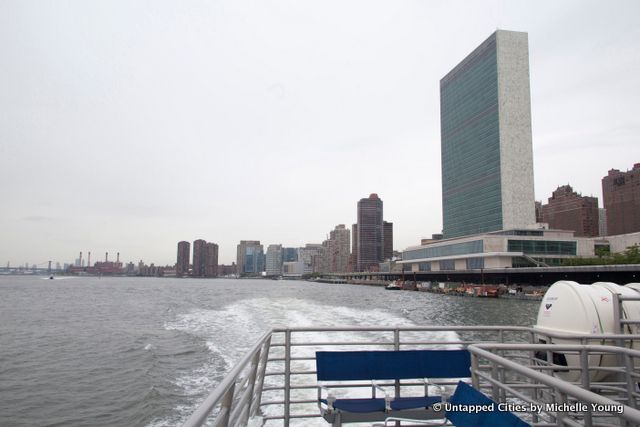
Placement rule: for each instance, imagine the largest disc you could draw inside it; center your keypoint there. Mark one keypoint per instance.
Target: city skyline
(162, 133)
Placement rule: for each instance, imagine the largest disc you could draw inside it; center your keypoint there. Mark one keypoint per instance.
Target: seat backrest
(389, 365)
(467, 395)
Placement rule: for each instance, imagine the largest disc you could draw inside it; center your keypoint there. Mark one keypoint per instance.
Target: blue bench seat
(370, 405)
(340, 367)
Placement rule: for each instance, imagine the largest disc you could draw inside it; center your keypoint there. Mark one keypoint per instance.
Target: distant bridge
(23, 270)
(620, 274)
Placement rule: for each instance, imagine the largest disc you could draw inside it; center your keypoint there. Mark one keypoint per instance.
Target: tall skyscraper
(199, 258)
(337, 250)
(388, 240)
(602, 222)
(487, 155)
(250, 257)
(538, 211)
(354, 248)
(273, 263)
(621, 197)
(370, 233)
(210, 260)
(182, 264)
(568, 210)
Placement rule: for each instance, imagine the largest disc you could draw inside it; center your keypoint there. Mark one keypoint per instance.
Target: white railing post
(245, 412)
(225, 406)
(264, 355)
(287, 377)
(495, 390)
(475, 380)
(584, 374)
(223, 394)
(631, 381)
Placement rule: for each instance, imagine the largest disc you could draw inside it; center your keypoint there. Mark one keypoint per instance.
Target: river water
(88, 351)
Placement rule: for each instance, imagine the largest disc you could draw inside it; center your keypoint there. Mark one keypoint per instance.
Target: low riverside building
(293, 268)
(500, 249)
(391, 265)
(620, 242)
(227, 270)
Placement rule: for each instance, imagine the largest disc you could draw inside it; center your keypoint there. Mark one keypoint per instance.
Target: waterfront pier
(537, 276)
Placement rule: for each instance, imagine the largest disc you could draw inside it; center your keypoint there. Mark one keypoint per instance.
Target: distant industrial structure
(105, 267)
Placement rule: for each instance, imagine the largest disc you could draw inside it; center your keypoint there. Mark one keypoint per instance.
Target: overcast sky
(128, 126)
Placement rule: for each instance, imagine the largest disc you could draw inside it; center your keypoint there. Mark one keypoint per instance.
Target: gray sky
(128, 126)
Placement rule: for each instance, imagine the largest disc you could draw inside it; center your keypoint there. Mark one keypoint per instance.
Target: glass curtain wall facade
(465, 248)
(543, 247)
(250, 257)
(471, 192)
(254, 260)
(487, 156)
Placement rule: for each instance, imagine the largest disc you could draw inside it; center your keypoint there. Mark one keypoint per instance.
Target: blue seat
(401, 403)
(467, 395)
(358, 405)
(386, 365)
(375, 404)
(389, 365)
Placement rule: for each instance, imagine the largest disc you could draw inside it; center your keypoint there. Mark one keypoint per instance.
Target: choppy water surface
(144, 352)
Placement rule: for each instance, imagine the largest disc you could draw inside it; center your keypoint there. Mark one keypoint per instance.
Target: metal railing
(512, 373)
(237, 398)
(276, 379)
(296, 348)
(621, 324)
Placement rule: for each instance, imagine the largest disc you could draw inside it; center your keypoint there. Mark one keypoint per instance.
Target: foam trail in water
(229, 332)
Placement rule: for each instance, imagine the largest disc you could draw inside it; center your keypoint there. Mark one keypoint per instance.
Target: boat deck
(570, 380)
